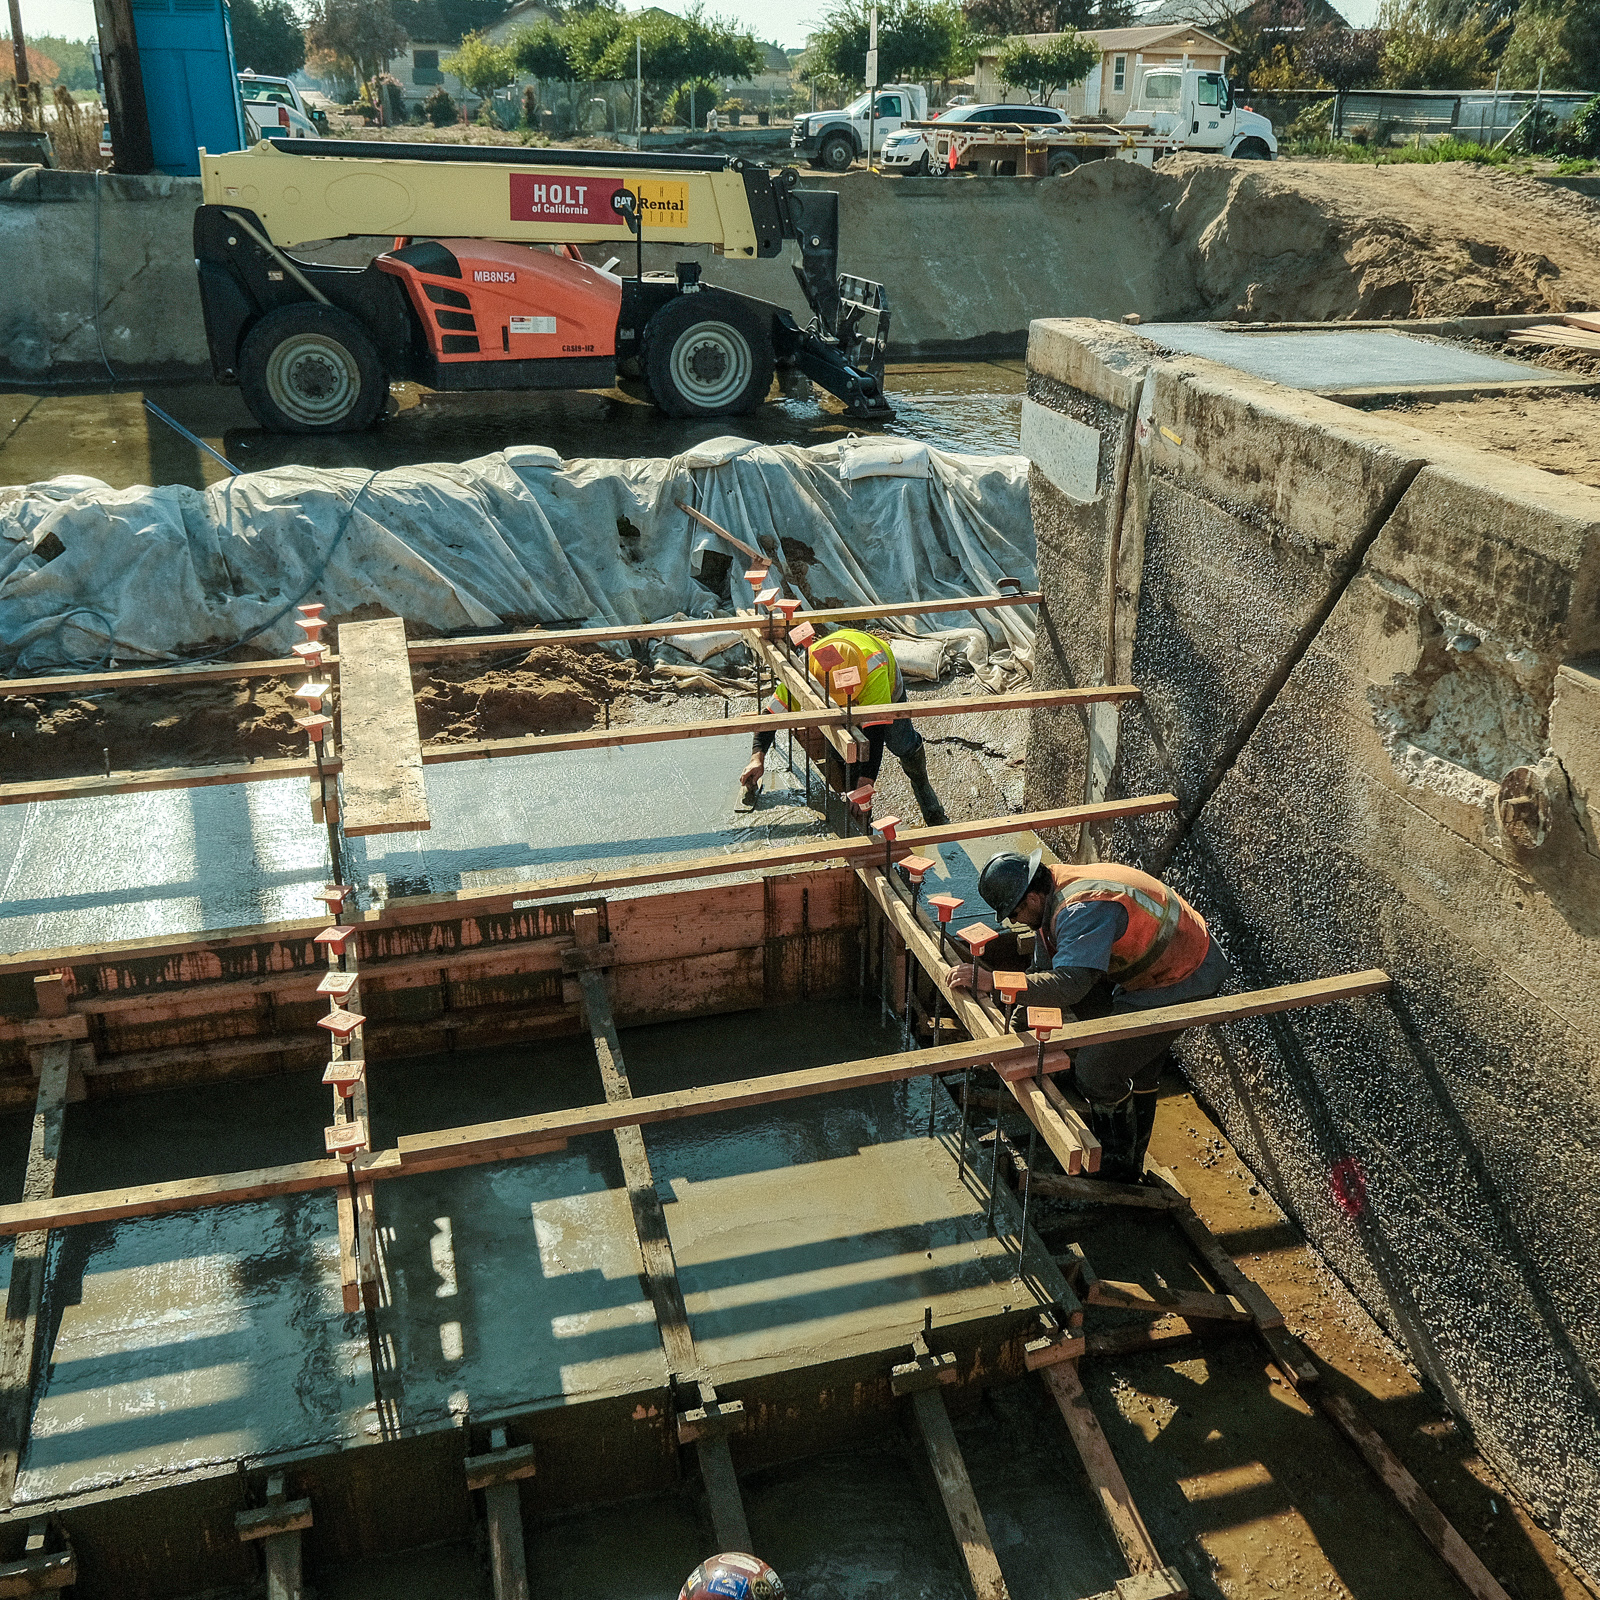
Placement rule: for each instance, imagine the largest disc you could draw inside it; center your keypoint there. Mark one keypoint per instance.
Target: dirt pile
(1328, 241)
(124, 729)
(550, 689)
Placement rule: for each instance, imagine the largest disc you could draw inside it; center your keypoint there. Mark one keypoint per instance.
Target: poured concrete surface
(76, 872)
(1348, 359)
(806, 1232)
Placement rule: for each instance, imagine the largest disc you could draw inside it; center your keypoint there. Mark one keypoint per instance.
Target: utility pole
(638, 90)
(19, 53)
(125, 103)
(872, 85)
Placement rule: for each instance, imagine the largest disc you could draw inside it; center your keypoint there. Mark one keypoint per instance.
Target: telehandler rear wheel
(707, 355)
(312, 369)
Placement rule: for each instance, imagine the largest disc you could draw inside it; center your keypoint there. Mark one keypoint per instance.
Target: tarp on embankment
(89, 574)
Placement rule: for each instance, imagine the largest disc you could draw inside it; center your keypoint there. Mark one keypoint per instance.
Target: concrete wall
(967, 262)
(1370, 674)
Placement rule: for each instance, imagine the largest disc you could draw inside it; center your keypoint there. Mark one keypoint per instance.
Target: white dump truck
(833, 139)
(1177, 108)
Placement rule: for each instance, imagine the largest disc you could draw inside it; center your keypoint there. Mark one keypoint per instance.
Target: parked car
(273, 109)
(910, 151)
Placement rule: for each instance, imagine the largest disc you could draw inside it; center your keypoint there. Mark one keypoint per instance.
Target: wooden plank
(143, 677)
(381, 745)
(624, 734)
(726, 1504)
(487, 643)
(284, 1579)
(655, 1248)
(955, 1490)
(1436, 1528)
(502, 1140)
(268, 770)
(19, 1337)
(38, 1574)
(1165, 1302)
(508, 1558)
(501, 1466)
(264, 1521)
(1097, 1191)
(1111, 1488)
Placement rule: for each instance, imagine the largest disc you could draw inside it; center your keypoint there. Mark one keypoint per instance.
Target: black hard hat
(1004, 882)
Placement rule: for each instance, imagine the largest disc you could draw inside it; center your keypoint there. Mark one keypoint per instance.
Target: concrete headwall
(1370, 675)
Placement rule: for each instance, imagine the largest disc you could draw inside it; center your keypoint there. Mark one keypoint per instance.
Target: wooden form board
(520, 1136)
(20, 1331)
(488, 644)
(384, 790)
(960, 1503)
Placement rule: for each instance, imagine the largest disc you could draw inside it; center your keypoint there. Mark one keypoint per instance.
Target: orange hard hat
(733, 1576)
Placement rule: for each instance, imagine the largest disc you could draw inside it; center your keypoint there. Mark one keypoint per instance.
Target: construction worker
(880, 684)
(1105, 924)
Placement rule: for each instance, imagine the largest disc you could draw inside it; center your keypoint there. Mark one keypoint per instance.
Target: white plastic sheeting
(89, 574)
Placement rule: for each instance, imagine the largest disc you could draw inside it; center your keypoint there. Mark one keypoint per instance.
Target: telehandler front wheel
(312, 369)
(707, 354)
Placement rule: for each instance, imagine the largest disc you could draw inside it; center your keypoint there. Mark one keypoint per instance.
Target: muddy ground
(1558, 432)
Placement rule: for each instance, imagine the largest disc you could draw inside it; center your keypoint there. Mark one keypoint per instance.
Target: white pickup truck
(833, 139)
(273, 109)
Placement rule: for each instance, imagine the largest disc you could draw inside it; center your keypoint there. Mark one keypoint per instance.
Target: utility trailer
(485, 286)
(1178, 108)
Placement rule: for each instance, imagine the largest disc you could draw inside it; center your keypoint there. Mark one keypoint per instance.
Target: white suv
(910, 151)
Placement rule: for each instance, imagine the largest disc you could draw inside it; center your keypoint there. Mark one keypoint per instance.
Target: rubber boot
(915, 767)
(1117, 1129)
(1144, 1106)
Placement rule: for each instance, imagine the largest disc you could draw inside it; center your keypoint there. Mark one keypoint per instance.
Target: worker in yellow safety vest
(879, 684)
(1113, 929)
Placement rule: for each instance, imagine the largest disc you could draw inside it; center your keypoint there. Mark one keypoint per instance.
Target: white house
(1125, 53)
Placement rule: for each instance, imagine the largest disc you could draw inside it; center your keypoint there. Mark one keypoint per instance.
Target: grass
(1576, 166)
(1391, 155)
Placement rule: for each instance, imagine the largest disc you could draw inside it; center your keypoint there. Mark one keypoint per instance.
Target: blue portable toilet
(191, 88)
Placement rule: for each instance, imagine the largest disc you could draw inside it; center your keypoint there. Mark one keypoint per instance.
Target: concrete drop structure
(1370, 667)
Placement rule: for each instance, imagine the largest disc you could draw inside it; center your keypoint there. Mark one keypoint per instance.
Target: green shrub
(1581, 135)
(706, 96)
(440, 107)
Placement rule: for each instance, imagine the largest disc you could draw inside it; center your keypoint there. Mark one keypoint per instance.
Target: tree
(541, 53)
(1043, 68)
(917, 39)
(1537, 48)
(482, 65)
(366, 33)
(1001, 19)
(1344, 59)
(669, 51)
(1420, 52)
(267, 37)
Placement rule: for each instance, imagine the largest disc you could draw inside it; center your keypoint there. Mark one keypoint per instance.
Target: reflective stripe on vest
(778, 704)
(1165, 940)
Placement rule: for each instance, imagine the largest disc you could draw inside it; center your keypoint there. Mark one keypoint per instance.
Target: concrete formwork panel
(1352, 642)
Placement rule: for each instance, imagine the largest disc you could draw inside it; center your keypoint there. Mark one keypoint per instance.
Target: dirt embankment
(1328, 241)
(550, 689)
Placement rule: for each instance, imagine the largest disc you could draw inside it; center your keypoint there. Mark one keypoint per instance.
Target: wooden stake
(955, 1490)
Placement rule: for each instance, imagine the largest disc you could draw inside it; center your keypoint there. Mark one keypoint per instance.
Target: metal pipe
(1027, 1193)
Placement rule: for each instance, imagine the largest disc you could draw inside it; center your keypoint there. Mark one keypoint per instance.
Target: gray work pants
(1106, 1072)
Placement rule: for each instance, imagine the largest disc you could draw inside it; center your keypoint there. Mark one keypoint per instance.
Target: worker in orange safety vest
(1128, 935)
(878, 683)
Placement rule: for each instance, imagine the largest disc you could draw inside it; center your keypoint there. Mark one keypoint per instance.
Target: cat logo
(663, 204)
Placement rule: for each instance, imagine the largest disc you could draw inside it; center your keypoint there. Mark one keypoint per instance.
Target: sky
(785, 22)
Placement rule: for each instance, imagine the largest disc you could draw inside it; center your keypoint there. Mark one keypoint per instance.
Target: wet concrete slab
(89, 871)
(1346, 359)
(807, 1233)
